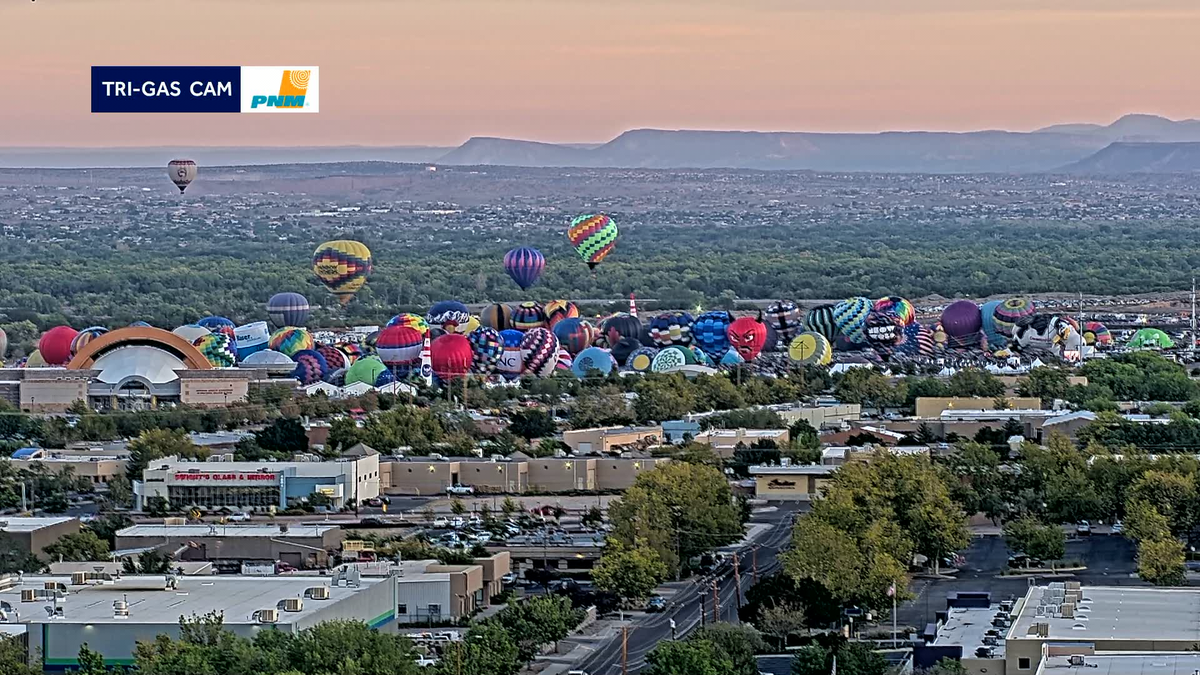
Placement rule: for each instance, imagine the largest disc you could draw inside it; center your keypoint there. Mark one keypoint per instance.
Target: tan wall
(418, 477)
(928, 406)
(465, 581)
(554, 474)
(216, 391)
(40, 539)
(52, 395)
(99, 472)
(606, 439)
(501, 477)
(494, 568)
(620, 473)
(985, 666)
(823, 415)
(803, 489)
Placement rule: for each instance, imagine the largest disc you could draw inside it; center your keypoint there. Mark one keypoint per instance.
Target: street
(684, 605)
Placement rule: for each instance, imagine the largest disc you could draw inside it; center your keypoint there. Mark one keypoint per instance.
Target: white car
(441, 521)
(239, 517)
(1084, 527)
(426, 661)
(457, 522)
(1118, 527)
(460, 490)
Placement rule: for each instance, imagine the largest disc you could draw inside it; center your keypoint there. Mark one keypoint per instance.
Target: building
(432, 593)
(606, 440)
(31, 535)
(678, 431)
(301, 546)
(820, 416)
(135, 368)
(112, 614)
(790, 483)
(99, 469)
(725, 441)
(259, 485)
(424, 476)
(932, 406)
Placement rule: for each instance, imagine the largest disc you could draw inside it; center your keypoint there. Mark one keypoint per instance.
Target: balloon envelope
(288, 309)
(182, 172)
(747, 336)
(55, 345)
(451, 356)
(343, 266)
(593, 237)
(524, 265)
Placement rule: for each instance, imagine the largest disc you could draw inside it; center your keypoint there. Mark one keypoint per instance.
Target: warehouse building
(301, 546)
(515, 475)
(611, 439)
(790, 483)
(31, 535)
(99, 469)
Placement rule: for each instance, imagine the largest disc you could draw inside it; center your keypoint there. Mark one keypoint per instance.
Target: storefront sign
(225, 477)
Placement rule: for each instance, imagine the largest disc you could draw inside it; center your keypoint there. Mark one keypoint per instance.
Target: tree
(1143, 522)
(341, 646)
(592, 518)
(158, 443)
(538, 621)
(457, 507)
(120, 492)
(867, 387)
(631, 572)
(12, 657)
(149, 562)
(531, 423)
(1045, 383)
(82, 546)
(687, 657)
(157, 506)
(1029, 536)
(600, 407)
(90, 662)
(1172, 494)
(735, 644)
(858, 658)
(16, 558)
(510, 507)
(663, 398)
(781, 621)
(343, 434)
(284, 436)
(974, 382)
(1161, 561)
(487, 649)
(680, 510)
(813, 659)
(945, 666)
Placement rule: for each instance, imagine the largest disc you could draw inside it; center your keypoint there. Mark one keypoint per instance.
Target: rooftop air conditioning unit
(267, 616)
(293, 604)
(29, 595)
(1077, 660)
(317, 593)
(120, 609)
(79, 578)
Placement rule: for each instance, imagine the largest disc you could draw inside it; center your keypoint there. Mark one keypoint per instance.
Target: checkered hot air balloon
(539, 349)
(671, 328)
(218, 324)
(333, 356)
(524, 265)
(218, 348)
(784, 317)
(711, 333)
(311, 367)
(593, 237)
(850, 317)
(342, 266)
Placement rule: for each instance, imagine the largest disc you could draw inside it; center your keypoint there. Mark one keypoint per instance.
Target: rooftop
(1150, 613)
(802, 470)
(157, 530)
(1163, 663)
(237, 597)
(967, 626)
(18, 524)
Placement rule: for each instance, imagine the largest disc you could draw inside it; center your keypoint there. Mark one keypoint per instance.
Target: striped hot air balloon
(593, 237)
(287, 309)
(524, 265)
(343, 266)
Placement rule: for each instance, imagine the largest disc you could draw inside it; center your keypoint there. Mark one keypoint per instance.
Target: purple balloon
(961, 319)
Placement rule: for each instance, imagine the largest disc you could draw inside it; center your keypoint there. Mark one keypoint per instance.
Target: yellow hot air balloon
(182, 172)
(342, 266)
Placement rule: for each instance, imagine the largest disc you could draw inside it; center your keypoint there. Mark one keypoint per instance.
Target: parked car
(426, 661)
(375, 502)
(1118, 527)
(240, 517)
(460, 490)
(656, 604)
(372, 522)
(281, 567)
(441, 521)
(1083, 527)
(509, 579)
(457, 522)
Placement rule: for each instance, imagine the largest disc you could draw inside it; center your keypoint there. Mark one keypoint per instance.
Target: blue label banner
(166, 89)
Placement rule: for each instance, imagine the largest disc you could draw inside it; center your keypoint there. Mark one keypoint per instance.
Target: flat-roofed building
(431, 593)
(934, 406)
(494, 476)
(31, 535)
(619, 473)
(611, 439)
(790, 483)
(821, 416)
(99, 469)
(725, 441)
(423, 476)
(302, 546)
(419, 476)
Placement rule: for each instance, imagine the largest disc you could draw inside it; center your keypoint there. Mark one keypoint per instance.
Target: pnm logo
(292, 89)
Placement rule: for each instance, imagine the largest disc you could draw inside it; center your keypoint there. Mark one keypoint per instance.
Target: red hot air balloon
(452, 356)
(747, 335)
(55, 345)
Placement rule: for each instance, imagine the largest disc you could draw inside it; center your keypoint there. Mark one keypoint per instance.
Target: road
(685, 604)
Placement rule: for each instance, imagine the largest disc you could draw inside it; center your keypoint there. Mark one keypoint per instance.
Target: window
(402, 609)
(435, 609)
(1023, 663)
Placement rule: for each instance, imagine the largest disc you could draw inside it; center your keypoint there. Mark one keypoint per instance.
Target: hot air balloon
(287, 309)
(451, 356)
(85, 336)
(311, 367)
(885, 331)
(810, 348)
(784, 317)
(898, 306)
(671, 328)
(524, 265)
(711, 333)
(181, 172)
(488, 347)
(290, 340)
(1094, 333)
(593, 237)
(593, 359)
(564, 361)
(623, 348)
(343, 266)
(251, 338)
(55, 345)
(639, 361)
(539, 351)
(1039, 334)
(1010, 312)
(469, 325)
(528, 315)
(557, 310)
(574, 334)
(747, 336)
(399, 345)
(215, 323)
(820, 320)
(3, 343)
(962, 322)
(447, 314)
(672, 358)
(850, 317)
(620, 326)
(218, 348)
(140, 324)
(512, 362)
(496, 316)
(731, 358)
(370, 371)
(333, 356)
(996, 340)
(411, 320)
(191, 331)
(1150, 338)
(352, 350)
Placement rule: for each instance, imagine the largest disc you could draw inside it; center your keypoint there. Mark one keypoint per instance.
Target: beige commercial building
(790, 483)
(820, 417)
(421, 476)
(612, 439)
(431, 593)
(31, 535)
(931, 407)
(99, 469)
(725, 441)
(302, 546)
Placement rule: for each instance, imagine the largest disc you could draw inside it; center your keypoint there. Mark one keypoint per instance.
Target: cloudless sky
(401, 72)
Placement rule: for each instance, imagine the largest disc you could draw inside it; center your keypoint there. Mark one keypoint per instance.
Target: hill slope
(1141, 158)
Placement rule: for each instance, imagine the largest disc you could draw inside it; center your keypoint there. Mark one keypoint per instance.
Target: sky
(437, 72)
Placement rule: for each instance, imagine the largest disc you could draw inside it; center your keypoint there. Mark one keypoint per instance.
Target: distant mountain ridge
(1124, 157)
(1069, 147)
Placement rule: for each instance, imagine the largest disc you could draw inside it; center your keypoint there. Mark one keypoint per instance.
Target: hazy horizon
(409, 73)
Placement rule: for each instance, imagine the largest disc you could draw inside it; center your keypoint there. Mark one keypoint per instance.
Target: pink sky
(399, 72)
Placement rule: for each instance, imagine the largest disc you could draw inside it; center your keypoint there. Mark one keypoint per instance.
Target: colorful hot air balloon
(451, 356)
(55, 345)
(352, 350)
(884, 331)
(411, 320)
(820, 320)
(218, 348)
(528, 315)
(620, 326)
(498, 316)
(524, 265)
(3, 343)
(711, 333)
(784, 317)
(343, 266)
(250, 338)
(574, 334)
(810, 348)
(593, 237)
(850, 317)
(557, 310)
(399, 346)
(213, 323)
(539, 351)
(1010, 312)
(672, 358)
(639, 361)
(488, 347)
(623, 348)
(1094, 333)
(370, 371)
(991, 332)
(181, 172)
(898, 306)
(290, 340)
(593, 359)
(671, 328)
(85, 336)
(287, 309)
(512, 362)
(311, 367)
(747, 336)
(447, 314)
(333, 356)
(565, 361)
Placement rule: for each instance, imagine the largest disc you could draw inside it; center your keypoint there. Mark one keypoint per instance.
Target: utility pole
(754, 561)
(624, 650)
(737, 580)
(1192, 346)
(716, 603)
(703, 606)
